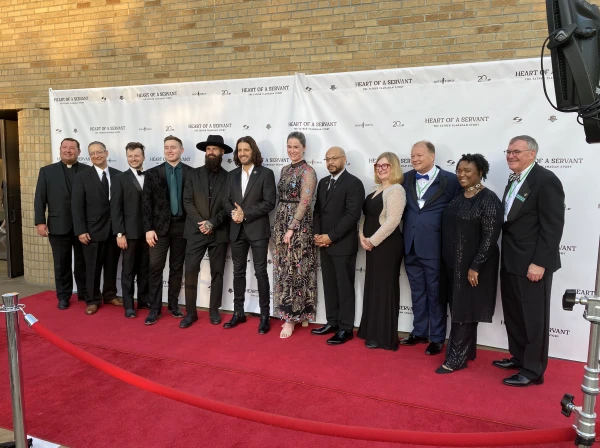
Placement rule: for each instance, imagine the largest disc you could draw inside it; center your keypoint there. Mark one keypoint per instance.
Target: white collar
(337, 176)
(430, 172)
(136, 171)
(249, 171)
(100, 170)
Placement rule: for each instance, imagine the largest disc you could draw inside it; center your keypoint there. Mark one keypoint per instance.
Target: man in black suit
(534, 217)
(164, 221)
(337, 212)
(53, 190)
(92, 224)
(127, 225)
(250, 196)
(206, 228)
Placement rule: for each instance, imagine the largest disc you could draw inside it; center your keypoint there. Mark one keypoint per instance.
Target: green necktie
(173, 193)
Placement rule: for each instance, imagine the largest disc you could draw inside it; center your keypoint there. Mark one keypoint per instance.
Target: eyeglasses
(332, 159)
(96, 153)
(515, 152)
(382, 167)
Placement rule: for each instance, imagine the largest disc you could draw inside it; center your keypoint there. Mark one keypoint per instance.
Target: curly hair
(480, 162)
(257, 159)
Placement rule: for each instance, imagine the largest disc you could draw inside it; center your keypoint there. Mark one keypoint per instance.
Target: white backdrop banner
(460, 108)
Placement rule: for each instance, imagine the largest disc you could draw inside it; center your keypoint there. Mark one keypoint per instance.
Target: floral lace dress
(295, 265)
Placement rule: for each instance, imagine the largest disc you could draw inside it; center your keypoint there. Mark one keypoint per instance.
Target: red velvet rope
(531, 437)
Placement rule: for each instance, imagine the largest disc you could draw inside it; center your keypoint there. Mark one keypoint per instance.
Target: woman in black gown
(380, 236)
(471, 227)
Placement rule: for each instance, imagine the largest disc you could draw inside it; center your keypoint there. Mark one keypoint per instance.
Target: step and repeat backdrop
(460, 108)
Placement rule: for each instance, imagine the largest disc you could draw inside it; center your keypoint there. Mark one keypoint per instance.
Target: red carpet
(71, 403)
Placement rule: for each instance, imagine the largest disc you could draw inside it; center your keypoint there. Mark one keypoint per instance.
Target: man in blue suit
(429, 189)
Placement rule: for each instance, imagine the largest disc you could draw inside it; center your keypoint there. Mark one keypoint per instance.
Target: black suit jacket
(534, 226)
(337, 215)
(53, 191)
(90, 205)
(126, 205)
(199, 208)
(259, 200)
(156, 207)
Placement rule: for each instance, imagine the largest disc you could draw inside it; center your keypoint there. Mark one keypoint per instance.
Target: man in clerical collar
(53, 192)
(164, 221)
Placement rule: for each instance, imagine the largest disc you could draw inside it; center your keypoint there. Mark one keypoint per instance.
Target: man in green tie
(164, 221)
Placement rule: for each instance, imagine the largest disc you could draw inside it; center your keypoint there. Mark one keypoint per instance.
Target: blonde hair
(396, 175)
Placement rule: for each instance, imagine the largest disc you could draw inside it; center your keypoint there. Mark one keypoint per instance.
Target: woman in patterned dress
(294, 255)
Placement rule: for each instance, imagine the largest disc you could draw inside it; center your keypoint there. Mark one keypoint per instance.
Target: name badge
(421, 203)
(520, 198)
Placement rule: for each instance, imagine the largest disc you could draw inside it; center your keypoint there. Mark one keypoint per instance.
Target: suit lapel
(443, 182)
(253, 177)
(412, 188)
(237, 185)
(335, 187)
(132, 178)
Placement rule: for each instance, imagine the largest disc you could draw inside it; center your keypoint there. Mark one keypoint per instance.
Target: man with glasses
(429, 189)
(92, 224)
(337, 211)
(534, 216)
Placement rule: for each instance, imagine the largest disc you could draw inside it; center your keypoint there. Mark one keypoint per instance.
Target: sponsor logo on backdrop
(383, 84)
(75, 131)
(404, 162)
(268, 126)
(585, 292)
(533, 75)
(169, 128)
(275, 161)
(517, 120)
(312, 125)
(560, 162)
(245, 127)
(453, 122)
(552, 118)
(364, 125)
(266, 90)
(121, 97)
(483, 78)
(563, 249)
(406, 309)
(333, 87)
(71, 99)
(151, 96)
(103, 98)
(450, 163)
(397, 124)
(144, 129)
(158, 160)
(79, 159)
(319, 162)
(202, 127)
(198, 93)
(308, 89)
(107, 129)
(556, 332)
(443, 81)
(58, 131)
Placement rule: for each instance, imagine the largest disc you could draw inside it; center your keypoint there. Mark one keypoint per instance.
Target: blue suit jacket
(423, 227)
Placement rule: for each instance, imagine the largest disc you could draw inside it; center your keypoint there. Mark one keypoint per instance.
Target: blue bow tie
(422, 176)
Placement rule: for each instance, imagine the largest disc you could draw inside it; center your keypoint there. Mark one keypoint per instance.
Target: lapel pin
(526, 194)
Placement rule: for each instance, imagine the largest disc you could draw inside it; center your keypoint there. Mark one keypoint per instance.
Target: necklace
(474, 187)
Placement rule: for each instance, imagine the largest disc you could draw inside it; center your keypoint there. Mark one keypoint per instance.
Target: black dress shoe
(325, 329)
(506, 364)
(518, 380)
(341, 337)
(413, 340)
(238, 318)
(130, 314)
(265, 325)
(371, 345)
(434, 348)
(176, 312)
(143, 305)
(63, 304)
(153, 317)
(188, 321)
(215, 318)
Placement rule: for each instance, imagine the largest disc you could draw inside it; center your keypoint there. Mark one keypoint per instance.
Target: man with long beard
(205, 228)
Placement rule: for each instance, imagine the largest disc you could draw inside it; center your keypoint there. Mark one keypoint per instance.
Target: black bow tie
(514, 177)
(140, 172)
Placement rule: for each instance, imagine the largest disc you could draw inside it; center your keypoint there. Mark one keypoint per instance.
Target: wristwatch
(119, 235)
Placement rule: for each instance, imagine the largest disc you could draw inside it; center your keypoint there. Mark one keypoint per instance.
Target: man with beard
(250, 196)
(337, 212)
(205, 228)
(54, 187)
(126, 214)
(164, 221)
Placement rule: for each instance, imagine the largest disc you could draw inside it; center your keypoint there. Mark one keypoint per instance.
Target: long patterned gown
(294, 265)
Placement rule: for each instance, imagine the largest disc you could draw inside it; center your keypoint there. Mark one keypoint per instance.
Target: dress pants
(338, 286)
(101, 256)
(194, 253)
(135, 266)
(526, 307)
(429, 315)
(239, 254)
(174, 244)
(62, 248)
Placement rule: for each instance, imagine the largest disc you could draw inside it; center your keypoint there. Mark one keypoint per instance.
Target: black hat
(214, 140)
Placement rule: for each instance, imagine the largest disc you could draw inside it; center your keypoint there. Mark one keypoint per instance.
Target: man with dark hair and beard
(205, 228)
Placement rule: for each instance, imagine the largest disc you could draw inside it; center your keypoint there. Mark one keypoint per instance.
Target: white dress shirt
(99, 171)
(246, 178)
(336, 177)
(514, 190)
(424, 184)
(139, 178)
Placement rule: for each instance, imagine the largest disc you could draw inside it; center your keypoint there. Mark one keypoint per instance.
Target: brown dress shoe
(91, 309)
(117, 301)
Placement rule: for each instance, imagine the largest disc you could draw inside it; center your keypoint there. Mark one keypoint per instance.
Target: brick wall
(68, 44)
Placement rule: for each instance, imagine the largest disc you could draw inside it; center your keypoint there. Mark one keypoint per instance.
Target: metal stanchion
(586, 421)
(10, 307)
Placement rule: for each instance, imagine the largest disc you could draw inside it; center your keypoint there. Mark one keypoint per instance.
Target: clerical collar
(69, 166)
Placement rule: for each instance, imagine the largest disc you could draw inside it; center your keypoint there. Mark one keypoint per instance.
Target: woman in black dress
(471, 227)
(380, 236)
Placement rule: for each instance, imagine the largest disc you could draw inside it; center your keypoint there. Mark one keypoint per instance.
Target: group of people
(448, 240)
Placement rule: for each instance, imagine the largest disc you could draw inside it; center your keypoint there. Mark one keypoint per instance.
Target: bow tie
(514, 177)
(422, 176)
(140, 172)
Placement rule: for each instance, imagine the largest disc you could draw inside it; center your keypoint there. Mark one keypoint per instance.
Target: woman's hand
(365, 243)
(472, 276)
(287, 238)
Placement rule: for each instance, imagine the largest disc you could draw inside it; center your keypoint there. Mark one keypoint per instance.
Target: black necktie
(331, 186)
(105, 183)
(140, 172)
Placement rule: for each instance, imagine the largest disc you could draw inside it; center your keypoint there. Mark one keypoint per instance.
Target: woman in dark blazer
(471, 226)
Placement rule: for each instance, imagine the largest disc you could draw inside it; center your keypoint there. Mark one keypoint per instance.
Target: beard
(212, 162)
